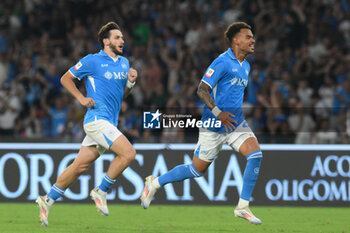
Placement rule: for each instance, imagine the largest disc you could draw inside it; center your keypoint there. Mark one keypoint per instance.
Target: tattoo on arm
(203, 93)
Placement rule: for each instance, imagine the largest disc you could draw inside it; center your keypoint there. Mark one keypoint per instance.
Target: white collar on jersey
(105, 54)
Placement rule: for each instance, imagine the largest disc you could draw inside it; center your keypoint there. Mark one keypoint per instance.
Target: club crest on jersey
(78, 65)
(246, 71)
(108, 75)
(124, 66)
(209, 73)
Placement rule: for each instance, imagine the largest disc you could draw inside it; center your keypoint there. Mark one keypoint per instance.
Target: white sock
(242, 203)
(101, 192)
(155, 183)
(49, 201)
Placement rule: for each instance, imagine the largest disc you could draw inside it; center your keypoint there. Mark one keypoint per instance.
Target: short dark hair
(104, 32)
(234, 29)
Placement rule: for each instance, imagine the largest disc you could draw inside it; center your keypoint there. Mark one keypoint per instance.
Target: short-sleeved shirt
(228, 78)
(105, 80)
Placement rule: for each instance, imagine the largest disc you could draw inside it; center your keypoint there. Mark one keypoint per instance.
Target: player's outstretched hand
(132, 75)
(87, 102)
(227, 120)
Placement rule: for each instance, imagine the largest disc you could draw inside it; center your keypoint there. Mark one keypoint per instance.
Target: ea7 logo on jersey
(209, 73)
(77, 66)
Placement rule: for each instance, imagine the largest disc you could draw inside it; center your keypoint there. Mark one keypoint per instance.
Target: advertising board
(305, 175)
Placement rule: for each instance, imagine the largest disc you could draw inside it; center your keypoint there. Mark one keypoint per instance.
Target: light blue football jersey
(105, 80)
(228, 78)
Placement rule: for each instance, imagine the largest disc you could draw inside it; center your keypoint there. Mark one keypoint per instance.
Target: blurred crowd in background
(298, 90)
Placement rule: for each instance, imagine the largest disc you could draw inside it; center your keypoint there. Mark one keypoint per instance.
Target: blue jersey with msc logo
(105, 80)
(228, 78)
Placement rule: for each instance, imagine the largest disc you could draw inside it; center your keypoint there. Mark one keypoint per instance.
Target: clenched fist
(87, 102)
(132, 75)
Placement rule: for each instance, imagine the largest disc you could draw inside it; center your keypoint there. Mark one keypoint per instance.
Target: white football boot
(99, 198)
(148, 192)
(246, 214)
(44, 203)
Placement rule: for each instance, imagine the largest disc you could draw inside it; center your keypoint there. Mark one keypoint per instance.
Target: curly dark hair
(235, 28)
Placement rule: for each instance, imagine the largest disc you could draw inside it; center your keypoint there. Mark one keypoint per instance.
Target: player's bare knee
(250, 145)
(200, 165)
(130, 155)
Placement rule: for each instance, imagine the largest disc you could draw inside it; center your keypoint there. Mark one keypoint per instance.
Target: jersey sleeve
(82, 68)
(214, 72)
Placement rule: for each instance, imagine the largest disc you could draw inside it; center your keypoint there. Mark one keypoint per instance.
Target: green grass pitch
(65, 217)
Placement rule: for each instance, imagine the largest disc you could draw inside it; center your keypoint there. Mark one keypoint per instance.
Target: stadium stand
(299, 87)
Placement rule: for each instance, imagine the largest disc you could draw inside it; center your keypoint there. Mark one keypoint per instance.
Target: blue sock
(251, 174)
(55, 192)
(179, 173)
(106, 183)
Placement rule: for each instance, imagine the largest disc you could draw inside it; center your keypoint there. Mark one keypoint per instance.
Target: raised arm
(68, 83)
(132, 76)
